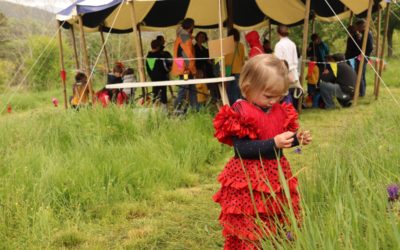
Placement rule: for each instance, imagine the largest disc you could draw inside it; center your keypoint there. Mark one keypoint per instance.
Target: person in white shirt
(286, 50)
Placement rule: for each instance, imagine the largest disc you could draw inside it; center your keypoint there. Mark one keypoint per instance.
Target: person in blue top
(319, 50)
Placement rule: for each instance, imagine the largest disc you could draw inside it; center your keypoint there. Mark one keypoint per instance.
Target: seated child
(128, 76)
(114, 78)
(313, 76)
(202, 90)
(80, 91)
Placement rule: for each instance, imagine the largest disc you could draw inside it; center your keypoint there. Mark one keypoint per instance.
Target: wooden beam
(377, 48)
(351, 18)
(74, 46)
(382, 55)
(313, 25)
(270, 31)
(222, 86)
(63, 74)
(85, 57)
(229, 10)
(304, 50)
(136, 37)
(363, 48)
(105, 50)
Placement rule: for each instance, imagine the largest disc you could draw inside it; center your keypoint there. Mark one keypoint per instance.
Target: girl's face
(266, 99)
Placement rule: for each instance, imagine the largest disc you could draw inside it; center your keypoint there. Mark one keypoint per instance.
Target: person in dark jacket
(204, 66)
(319, 50)
(340, 86)
(166, 54)
(157, 71)
(267, 47)
(352, 41)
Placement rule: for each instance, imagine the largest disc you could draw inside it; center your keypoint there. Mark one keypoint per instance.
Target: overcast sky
(50, 5)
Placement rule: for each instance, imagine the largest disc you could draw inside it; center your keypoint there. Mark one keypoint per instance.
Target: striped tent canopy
(115, 15)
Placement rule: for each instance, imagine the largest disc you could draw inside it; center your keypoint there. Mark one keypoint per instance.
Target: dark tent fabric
(166, 13)
(115, 15)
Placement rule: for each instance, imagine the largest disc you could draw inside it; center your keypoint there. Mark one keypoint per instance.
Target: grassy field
(138, 179)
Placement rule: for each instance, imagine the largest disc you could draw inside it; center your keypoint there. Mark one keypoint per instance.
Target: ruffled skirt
(253, 201)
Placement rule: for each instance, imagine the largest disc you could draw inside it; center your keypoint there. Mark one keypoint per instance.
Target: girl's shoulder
(235, 121)
(241, 106)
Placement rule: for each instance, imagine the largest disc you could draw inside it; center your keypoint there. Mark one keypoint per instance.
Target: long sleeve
(253, 149)
(370, 44)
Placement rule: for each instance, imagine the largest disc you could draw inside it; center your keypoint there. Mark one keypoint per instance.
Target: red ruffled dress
(266, 200)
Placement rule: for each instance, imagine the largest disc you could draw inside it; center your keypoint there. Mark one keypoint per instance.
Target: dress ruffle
(252, 197)
(248, 228)
(233, 242)
(262, 175)
(228, 123)
(241, 201)
(251, 189)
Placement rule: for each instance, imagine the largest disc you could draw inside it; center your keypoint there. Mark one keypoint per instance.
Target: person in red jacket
(253, 39)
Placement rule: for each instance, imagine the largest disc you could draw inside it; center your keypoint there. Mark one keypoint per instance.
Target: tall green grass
(344, 197)
(60, 168)
(138, 179)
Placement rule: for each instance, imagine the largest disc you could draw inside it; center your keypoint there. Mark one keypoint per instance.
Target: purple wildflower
(289, 236)
(298, 150)
(393, 192)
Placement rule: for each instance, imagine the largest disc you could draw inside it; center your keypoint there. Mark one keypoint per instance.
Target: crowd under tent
(125, 16)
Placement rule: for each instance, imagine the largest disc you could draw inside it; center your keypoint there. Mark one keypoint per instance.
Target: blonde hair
(264, 72)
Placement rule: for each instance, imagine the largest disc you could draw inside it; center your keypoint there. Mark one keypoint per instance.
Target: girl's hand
(304, 137)
(284, 140)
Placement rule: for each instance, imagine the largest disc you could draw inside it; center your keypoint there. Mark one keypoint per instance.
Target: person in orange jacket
(184, 64)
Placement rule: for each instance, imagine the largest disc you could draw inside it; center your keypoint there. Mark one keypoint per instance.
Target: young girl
(258, 128)
(80, 91)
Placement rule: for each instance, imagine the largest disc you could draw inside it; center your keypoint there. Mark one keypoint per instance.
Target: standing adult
(183, 64)
(361, 25)
(352, 41)
(166, 54)
(340, 86)
(204, 66)
(236, 62)
(286, 50)
(157, 71)
(267, 47)
(319, 50)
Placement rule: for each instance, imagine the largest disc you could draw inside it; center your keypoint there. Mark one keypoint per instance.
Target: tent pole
(362, 59)
(377, 53)
(313, 25)
(222, 86)
(269, 30)
(382, 52)
(144, 90)
(140, 38)
(229, 8)
(304, 51)
(63, 75)
(85, 56)
(105, 50)
(139, 53)
(351, 18)
(74, 46)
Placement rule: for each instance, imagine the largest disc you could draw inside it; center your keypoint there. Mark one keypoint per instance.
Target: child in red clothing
(258, 128)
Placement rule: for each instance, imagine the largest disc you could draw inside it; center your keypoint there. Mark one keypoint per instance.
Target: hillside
(25, 13)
